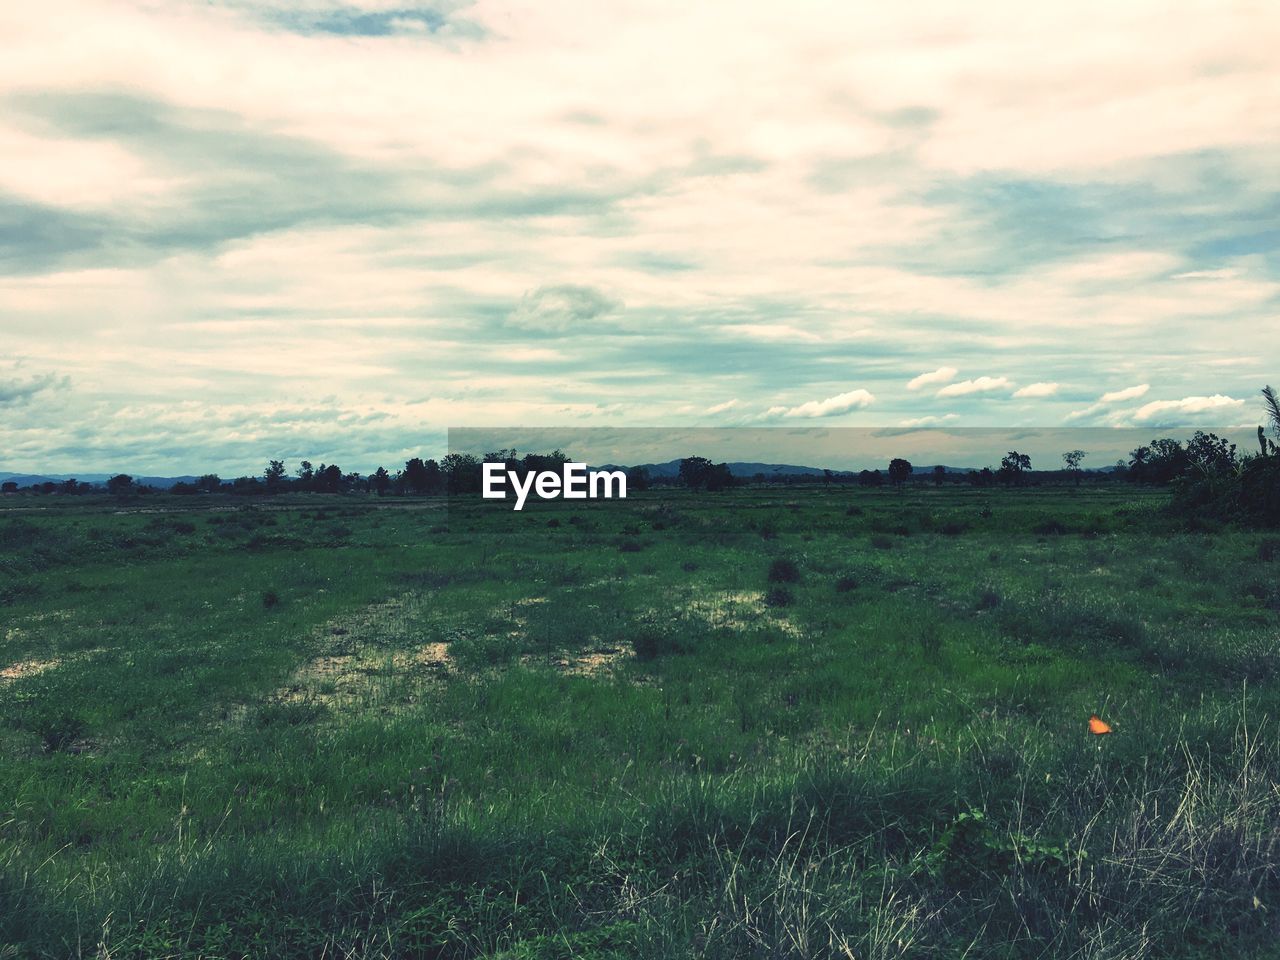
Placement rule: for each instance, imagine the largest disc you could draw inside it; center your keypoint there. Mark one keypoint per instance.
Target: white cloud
(928, 421)
(328, 225)
(722, 407)
(1108, 400)
(1170, 411)
(830, 407)
(1036, 390)
(941, 375)
(1128, 393)
(980, 385)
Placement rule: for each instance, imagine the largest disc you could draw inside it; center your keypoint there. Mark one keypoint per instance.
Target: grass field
(783, 723)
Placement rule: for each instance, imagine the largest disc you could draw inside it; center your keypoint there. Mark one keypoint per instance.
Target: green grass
(770, 723)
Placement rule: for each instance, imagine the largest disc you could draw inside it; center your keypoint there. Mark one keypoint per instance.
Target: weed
(783, 570)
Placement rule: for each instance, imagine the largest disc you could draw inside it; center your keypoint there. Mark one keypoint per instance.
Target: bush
(881, 542)
(650, 641)
(845, 584)
(988, 599)
(783, 570)
(778, 597)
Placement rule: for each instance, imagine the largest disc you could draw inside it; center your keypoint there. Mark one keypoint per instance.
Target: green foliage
(498, 738)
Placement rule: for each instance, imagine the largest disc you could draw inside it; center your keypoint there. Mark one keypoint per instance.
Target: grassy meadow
(774, 722)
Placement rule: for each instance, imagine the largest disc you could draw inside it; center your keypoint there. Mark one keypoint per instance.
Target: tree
(306, 472)
(1073, 459)
(1013, 466)
(9, 486)
(899, 470)
(870, 478)
(1209, 453)
(939, 475)
(209, 483)
(982, 478)
(380, 481)
(718, 478)
(120, 484)
(637, 479)
(328, 479)
(274, 475)
(1269, 447)
(693, 471)
(415, 477)
(461, 472)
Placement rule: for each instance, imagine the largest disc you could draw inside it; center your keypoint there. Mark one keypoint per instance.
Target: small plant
(270, 599)
(881, 542)
(845, 584)
(784, 570)
(553, 522)
(929, 639)
(953, 528)
(778, 597)
(651, 641)
(59, 730)
(630, 546)
(988, 598)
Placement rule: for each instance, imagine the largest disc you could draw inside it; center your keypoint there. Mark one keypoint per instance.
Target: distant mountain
(94, 479)
(738, 468)
(747, 469)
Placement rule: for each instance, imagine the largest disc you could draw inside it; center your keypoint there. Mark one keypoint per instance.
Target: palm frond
(1273, 407)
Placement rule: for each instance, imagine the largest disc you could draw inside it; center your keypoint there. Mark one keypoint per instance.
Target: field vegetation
(829, 721)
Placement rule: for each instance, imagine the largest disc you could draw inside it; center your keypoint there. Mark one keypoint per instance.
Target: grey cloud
(15, 391)
(246, 181)
(562, 308)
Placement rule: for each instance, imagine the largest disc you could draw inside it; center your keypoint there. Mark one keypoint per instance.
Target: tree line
(1206, 472)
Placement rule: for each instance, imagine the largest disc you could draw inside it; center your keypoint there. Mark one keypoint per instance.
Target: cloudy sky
(233, 230)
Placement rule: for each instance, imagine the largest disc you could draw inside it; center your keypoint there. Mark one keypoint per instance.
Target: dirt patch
(592, 663)
(26, 668)
(364, 653)
(738, 611)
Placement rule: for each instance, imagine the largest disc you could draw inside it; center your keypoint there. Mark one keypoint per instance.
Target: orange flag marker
(1097, 726)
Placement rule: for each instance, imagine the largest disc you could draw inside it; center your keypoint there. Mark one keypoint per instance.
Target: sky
(233, 231)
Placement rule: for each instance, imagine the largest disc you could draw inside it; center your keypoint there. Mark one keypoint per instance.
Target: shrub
(1269, 549)
(630, 546)
(845, 584)
(881, 542)
(784, 570)
(988, 599)
(270, 599)
(650, 641)
(954, 528)
(778, 597)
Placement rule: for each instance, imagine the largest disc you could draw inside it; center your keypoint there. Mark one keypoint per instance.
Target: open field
(783, 723)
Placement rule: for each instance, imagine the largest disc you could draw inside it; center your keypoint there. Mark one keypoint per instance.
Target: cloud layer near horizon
(239, 230)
